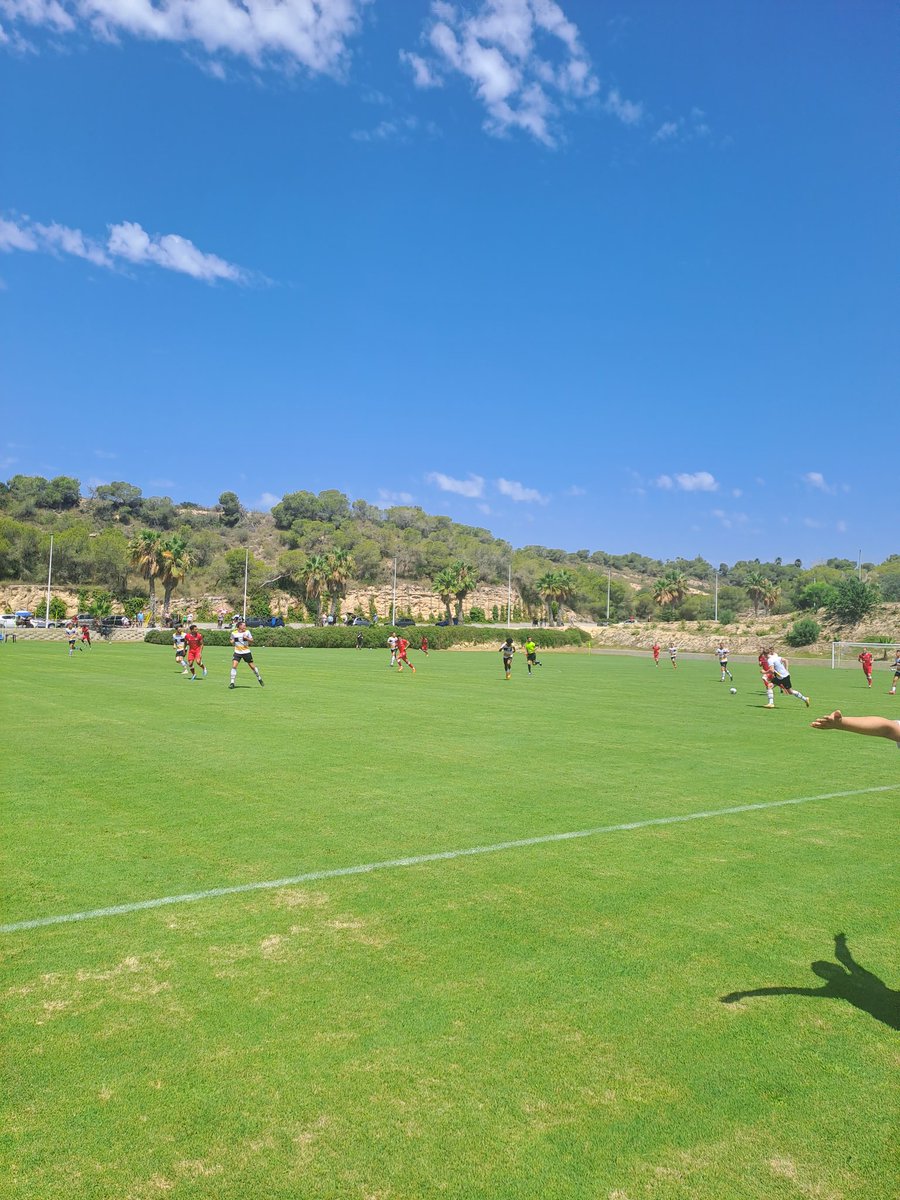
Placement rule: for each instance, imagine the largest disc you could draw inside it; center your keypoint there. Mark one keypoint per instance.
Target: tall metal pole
(716, 610)
(859, 565)
(49, 577)
(509, 595)
(394, 596)
(246, 573)
(608, 590)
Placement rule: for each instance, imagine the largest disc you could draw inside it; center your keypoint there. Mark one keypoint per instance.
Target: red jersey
(866, 659)
(656, 651)
(402, 645)
(194, 642)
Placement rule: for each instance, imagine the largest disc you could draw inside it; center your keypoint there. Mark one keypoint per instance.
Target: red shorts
(194, 655)
(401, 656)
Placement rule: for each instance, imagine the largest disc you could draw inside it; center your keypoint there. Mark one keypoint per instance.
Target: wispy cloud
(691, 128)
(519, 493)
(125, 242)
(472, 487)
(522, 58)
(266, 501)
(105, 454)
(842, 527)
(575, 490)
(728, 520)
(292, 33)
(628, 111)
(387, 497)
(817, 481)
(396, 129)
(699, 481)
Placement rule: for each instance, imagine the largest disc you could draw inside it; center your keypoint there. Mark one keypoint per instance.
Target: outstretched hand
(831, 721)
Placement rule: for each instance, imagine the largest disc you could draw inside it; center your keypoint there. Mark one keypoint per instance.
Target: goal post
(846, 654)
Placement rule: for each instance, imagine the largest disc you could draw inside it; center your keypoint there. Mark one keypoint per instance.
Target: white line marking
(118, 910)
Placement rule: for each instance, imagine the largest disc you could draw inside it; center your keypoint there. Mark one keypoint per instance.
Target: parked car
(360, 621)
(117, 620)
(87, 619)
(7, 621)
(403, 622)
(444, 624)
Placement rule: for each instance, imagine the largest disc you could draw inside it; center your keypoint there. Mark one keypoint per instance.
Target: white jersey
(241, 639)
(392, 642)
(71, 632)
(778, 665)
(178, 639)
(722, 654)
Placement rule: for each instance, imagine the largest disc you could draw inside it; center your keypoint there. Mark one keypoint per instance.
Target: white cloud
(729, 519)
(628, 112)
(684, 129)
(699, 481)
(387, 497)
(575, 490)
(162, 483)
(812, 523)
(105, 454)
(737, 493)
(423, 75)
(296, 33)
(523, 59)
(816, 480)
(842, 527)
(472, 487)
(519, 493)
(397, 129)
(266, 501)
(666, 131)
(127, 241)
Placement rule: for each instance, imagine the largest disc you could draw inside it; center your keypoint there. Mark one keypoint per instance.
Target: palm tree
(670, 589)
(145, 551)
(771, 596)
(315, 581)
(175, 561)
(340, 564)
(555, 586)
(465, 580)
(757, 585)
(443, 583)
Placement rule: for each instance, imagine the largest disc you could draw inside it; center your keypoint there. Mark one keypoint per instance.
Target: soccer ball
(733, 691)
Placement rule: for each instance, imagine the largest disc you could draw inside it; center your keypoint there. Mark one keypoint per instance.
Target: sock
(233, 674)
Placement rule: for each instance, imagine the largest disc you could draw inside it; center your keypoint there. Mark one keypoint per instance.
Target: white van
(7, 621)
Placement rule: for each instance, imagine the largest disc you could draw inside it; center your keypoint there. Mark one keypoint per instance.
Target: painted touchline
(118, 910)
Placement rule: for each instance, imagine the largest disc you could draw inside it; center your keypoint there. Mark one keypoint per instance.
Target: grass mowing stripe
(118, 910)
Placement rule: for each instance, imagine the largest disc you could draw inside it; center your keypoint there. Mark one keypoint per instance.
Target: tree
(771, 596)
(118, 500)
(340, 564)
(61, 492)
(57, 608)
(145, 550)
(465, 580)
(175, 562)
(315, 581)
(853, 600)
(757, 585)
(670, 589)
(443, 583)
(555, 587)
(231, 511)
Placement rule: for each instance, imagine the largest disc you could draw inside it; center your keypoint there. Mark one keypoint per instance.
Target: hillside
(316, 552)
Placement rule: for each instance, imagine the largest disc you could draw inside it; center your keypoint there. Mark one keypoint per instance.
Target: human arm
(870, 726)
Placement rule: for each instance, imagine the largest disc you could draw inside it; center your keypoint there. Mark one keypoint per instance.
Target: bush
(57, 609)
(477, 615)
(803, 632)
(726, 616)
(343, 637)
(853, 600)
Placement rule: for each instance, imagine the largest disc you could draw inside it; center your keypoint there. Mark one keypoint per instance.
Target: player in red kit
(402, 647)
(86, 636)
(866, 660)
(194, 639)
(656, 653)
(768, 677)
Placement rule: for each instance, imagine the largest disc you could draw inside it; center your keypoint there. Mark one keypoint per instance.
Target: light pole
(49, 577)
(509, 595)
(716, 602)
(246, 572)
(394, 596)
(608, 590)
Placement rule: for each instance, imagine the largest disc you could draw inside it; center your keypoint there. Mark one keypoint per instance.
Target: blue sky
(614, 276)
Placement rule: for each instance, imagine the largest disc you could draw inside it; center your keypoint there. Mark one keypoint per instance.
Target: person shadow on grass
(844, 980)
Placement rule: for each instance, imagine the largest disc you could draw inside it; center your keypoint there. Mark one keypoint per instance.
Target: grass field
(541, 1021)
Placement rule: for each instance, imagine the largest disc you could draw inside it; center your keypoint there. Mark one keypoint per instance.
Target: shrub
(477, 615)
(57, 609)
(726, 616)
(803, 632)
(343, 637)
(853, 600)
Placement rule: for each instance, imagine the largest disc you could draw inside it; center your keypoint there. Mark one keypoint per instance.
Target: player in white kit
(242, 640)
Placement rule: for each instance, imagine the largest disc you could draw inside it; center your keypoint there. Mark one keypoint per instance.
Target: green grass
(539, 1022)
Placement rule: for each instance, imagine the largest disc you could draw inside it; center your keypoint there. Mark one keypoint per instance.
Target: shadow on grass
(844, 980)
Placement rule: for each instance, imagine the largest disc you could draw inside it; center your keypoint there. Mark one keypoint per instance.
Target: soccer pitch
(540, 1020)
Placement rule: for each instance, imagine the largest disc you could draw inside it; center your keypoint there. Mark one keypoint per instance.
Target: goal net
(846, 654)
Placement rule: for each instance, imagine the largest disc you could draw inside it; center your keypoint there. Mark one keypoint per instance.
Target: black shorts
(784, 682)
(723, 663)
(507, 662)
(531, 657)
(243, 656)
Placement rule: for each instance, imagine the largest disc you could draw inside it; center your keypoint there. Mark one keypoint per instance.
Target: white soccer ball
(733, 691)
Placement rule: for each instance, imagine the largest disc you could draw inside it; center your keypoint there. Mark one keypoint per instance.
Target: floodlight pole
(716, 602)
(246, 573)
(859, 565)
(509, 595)
(49, 577)
(394, 596)
(608, 590)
